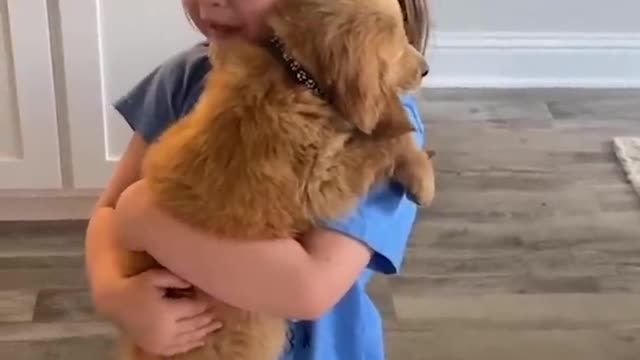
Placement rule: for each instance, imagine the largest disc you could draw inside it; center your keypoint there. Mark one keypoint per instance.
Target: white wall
(125, 29)
(537, 15)
(535, 43)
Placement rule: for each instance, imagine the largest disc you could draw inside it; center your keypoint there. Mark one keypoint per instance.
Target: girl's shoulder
(189, 62)
(166, 93)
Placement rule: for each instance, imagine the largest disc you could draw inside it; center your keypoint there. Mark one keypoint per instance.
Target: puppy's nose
(425, 68)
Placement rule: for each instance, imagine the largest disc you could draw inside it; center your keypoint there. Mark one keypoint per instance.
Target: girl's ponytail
(416, 22)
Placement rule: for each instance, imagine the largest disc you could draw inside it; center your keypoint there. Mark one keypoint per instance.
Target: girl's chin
(221, 38)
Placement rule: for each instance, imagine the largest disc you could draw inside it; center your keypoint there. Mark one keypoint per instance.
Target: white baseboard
(46, 206)
(519, 60)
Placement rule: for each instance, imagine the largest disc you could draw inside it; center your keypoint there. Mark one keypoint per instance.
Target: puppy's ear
(355, 92)
(354, 63)
(393, 120)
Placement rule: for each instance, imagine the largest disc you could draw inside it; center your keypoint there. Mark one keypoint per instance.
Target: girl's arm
(282, 277)
(159, 325)
(101, 253)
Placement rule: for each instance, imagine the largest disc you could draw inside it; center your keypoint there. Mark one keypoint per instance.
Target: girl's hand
(159, 325)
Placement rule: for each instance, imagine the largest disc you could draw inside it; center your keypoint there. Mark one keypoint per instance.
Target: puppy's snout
(425, 68)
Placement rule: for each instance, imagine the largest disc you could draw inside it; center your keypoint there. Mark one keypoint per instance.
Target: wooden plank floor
(530, 251)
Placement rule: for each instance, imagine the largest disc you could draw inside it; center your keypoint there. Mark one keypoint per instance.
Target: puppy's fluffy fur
(262, 157)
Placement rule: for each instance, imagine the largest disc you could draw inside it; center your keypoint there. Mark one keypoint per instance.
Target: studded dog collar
(298, 73)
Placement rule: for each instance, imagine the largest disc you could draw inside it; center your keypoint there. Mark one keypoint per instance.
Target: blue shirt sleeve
(165, 94)
(384, 218)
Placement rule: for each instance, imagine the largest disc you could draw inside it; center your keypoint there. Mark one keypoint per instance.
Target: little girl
(317, 281)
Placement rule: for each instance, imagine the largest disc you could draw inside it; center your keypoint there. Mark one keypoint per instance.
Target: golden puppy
(263, 155)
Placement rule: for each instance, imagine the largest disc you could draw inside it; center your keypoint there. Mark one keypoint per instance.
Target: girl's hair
(416, 22)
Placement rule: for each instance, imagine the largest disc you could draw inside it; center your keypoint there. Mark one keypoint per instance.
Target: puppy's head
(359, 52)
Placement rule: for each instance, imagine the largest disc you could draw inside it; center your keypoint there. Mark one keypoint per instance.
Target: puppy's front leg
(413, 168)
(343, 172)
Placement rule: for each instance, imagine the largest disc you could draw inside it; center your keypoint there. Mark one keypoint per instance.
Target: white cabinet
(29, 147)
(108, 46)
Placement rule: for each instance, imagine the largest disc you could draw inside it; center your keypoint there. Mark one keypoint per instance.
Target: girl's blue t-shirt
(352, 329)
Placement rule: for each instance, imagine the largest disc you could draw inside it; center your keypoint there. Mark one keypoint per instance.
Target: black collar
(298, 73)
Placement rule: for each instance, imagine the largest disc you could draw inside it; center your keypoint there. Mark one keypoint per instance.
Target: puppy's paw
(415, 172)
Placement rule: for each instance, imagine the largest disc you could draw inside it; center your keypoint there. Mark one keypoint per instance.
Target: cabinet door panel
(29, 149)
(110, 45)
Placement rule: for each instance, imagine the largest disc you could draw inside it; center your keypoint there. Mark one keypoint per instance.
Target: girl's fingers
(199, 334)
(190, 324)
(185, 308)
